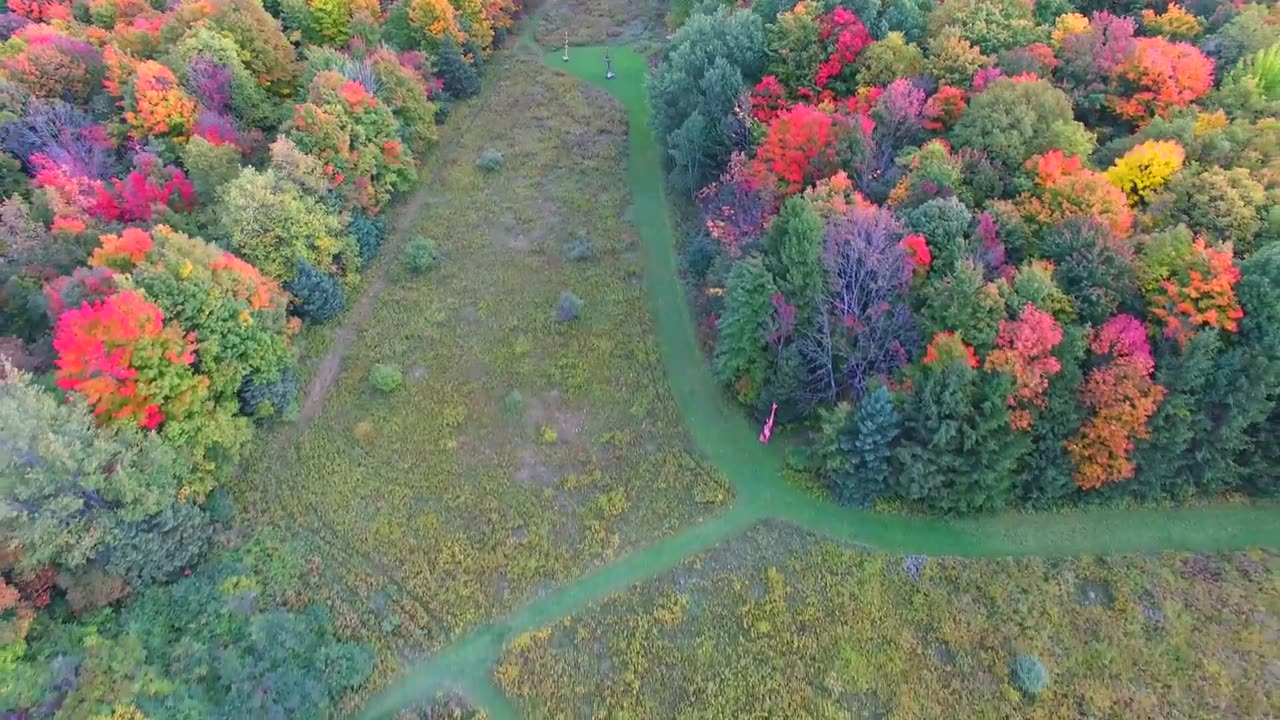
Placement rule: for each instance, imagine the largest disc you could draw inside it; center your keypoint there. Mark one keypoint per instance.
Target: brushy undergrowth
(777, 624)
(520, 451)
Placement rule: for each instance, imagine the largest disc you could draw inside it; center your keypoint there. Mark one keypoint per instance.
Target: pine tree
(317, 297)
(858, 468)
(741, 356)
(957, 454)
(793, 253)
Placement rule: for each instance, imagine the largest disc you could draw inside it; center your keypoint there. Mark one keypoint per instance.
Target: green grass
(779, 624)
(521, 451)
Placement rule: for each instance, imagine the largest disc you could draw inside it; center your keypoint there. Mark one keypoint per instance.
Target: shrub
(490, 161)
(369, 233)
(317, 297)
(578, 250)
(420, 255)
(1028, 675)
(269, 398)
(386, 377)
(568, 306)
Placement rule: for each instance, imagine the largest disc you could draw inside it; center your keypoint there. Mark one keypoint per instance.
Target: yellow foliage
(1175, 24)
(122, 712)
(1146, 168)
(435, 17)
(1068, 24)
(1210, 122)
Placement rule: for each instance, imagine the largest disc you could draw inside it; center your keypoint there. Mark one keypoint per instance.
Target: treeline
(183, 186)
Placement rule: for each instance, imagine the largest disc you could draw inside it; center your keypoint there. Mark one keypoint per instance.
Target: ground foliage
(778, 624)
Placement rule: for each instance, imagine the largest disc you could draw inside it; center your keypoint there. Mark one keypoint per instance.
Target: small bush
(514, 403)
(369, 233)
(420, 255)
(1029, 675)
(568, 307)
(490, 161)
(579, 249)
(317, 297)
(549, 435)
(700, 252)
(386, 377)
(268, 398)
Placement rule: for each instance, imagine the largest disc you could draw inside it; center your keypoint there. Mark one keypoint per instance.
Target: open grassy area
(521, 450)
(778, 624)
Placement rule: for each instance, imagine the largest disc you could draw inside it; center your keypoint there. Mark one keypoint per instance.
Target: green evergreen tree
(1163, 460)
(793, 253)
(741, 356)
(957, 453)
(860, 446)
(963, 302)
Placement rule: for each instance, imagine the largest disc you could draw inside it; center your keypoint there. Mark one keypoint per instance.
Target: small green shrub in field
(386, 377)
(420, 255)
(568, 307)
(549, 435)
(1029, 675)
(490, 161)
(514, 403)
(579, 249)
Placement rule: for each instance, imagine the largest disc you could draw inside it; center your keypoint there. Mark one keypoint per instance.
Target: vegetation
(779, 624)
(184, 186)
(1016, 176)
(519, 451)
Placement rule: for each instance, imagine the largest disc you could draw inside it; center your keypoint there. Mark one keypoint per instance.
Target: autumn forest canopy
(971, 255)
(186, 186)
(993, 252)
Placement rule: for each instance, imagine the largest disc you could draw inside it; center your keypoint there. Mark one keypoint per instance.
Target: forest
(187, 187)
(990, 253)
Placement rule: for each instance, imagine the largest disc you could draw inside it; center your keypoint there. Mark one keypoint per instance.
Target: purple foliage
(899, 114)
(991, 252)
(1088, 57)
(11, 23)
(64, 134)
(913, 564)
(869, 325)
(210, 81)
(985, 76)
(216, 128)
(737, 207)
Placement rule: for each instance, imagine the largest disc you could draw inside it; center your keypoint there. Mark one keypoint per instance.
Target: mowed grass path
(723, 435)
(522, 451)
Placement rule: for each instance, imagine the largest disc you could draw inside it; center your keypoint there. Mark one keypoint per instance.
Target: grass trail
(728, 441)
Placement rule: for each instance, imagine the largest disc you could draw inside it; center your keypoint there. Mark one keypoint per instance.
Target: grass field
(521, 451)
(779, 624)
